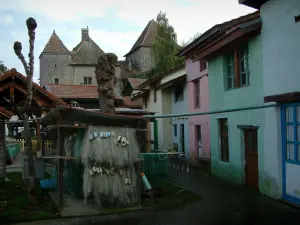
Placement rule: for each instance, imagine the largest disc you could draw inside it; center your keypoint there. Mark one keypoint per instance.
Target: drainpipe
(212, 112)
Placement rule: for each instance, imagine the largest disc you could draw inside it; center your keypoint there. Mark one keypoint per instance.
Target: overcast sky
(113, 24)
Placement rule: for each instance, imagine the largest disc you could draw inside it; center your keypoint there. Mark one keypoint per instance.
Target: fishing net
(108, 155)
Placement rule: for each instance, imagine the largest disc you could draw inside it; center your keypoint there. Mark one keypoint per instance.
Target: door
(290, 116)
(155, 135)
(182, 138)
(198, 141)
(251, 158)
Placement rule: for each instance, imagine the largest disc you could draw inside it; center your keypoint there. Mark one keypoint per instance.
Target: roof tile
(75, 91)
(55, 45)
(146, 38)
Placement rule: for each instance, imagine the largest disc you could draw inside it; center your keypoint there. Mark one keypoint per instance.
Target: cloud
(6, 20)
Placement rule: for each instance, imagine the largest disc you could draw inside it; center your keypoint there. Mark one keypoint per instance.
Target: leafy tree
(3, 68)
(164, 47)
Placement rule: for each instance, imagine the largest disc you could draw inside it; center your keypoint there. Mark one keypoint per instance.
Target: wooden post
(149, 136)
(2, 151)
(38, 135)
(60, 167)
(43, 142)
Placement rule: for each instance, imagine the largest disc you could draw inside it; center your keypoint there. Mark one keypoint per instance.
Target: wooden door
(251, 157)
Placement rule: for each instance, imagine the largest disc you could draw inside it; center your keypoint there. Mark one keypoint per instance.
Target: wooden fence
(48, 144)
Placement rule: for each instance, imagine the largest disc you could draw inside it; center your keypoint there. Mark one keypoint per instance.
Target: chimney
(85, 34)
(129, 66)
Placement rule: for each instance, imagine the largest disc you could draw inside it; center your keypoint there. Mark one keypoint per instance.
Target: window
(55, 65)
(87, 80)
(291, 132)
(237, 69)
(154, 94)
(175, 130)
(198, 139)
(224, 145)
(145, 102)
(203, 65)
(197, 93)
(178, 92)
(56, 81)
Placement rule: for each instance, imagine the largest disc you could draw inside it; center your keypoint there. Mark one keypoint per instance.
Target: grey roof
(86, 52)
(146, 37)
(55, 45)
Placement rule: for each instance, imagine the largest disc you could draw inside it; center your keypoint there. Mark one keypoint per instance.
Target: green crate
(154, 165)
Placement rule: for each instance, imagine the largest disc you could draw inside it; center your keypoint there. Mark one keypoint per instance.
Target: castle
(59, 66)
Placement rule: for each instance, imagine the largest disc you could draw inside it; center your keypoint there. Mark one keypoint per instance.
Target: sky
(113, 24)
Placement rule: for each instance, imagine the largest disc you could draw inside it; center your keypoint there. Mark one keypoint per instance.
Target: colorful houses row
(245, 73)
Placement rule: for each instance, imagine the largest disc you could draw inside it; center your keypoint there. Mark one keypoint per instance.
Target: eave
(283, 98)
(140, 95)
(256, 4)
(245, 30)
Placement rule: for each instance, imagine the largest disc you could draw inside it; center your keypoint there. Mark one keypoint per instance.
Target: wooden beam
(2, 151)
(12, 95)
(60, 166)
(214, 46)
(38, 99)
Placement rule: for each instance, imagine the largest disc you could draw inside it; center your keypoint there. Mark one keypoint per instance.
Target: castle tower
(54, 62)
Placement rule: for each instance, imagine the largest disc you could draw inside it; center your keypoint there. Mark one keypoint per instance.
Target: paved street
(223, 203)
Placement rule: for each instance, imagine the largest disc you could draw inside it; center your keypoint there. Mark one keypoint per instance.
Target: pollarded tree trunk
(106, 80)
(23, 111)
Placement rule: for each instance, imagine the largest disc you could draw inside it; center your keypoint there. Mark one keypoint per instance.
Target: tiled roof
(86, 52)
(14, 74)
(131, 104)
(125, 71)
(215, 32)
(136, 82)
(146, 38)
(75, 91)
(55, 45)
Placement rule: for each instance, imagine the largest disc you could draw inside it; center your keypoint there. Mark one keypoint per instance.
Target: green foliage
(3, 68)
(163, 48)
(16, 207)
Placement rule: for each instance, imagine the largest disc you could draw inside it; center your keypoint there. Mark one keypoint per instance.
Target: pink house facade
(198, 101)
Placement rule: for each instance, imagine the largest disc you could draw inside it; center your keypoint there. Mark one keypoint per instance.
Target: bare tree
(23, 110)
(106, 80)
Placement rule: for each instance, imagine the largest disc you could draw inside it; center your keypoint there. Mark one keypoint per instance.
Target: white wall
(281, 71)
(281, 48)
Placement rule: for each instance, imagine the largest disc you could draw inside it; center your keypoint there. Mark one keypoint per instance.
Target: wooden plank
(2, 151)
(60, 168)
(149, 136)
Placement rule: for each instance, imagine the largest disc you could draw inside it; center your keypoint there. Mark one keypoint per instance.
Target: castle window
(55, 65)
(56, 81)
(87, 80)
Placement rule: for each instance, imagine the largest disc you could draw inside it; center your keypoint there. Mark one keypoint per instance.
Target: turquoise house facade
(231, 166)
(233, 51)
